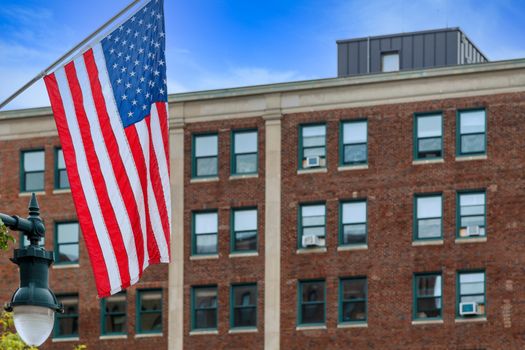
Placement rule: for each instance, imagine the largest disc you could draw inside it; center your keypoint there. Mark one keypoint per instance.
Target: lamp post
(33, 304)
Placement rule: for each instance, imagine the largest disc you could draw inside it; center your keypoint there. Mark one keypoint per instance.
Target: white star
(119, 81)
(142, 79)
(161, 63)
(149, 25)
(112, 50)
(128, 57)
(146, 67)
(141, 21)
(136, 34)
(128, 31)
(121, 28)
(165, 82)
(117, 39)
(130, 114)
(161, 34)
(145, 9)
(150, 54)
(141, 50)
(109, 36)
(128, 85)
(161, 91)
(159, 16)
(156, 73)
(124, 42)
(119, 54)
(136, 62)
(123, 69)
(124, 97)
(157, 45)
(139, 90)
(153, 12)
(134, 102)
(132, 46)
(145, 38)
(147, 95)
(115, 66)
(133, 19)
(132, 74)
(144, 107)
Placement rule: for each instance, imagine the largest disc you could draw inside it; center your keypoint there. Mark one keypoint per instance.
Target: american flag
(110, 110)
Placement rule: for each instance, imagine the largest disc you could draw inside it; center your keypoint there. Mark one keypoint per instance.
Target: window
(244, 306)
(312, 144)
(205, 226)
(149, 311)
(312, 223)
(244, 155)
(113, 312)
(66, 324)
(429, 136)
(471, 214)
(353, 300)
(427, 296)
(205, 155)
(390, 62)
(204, 308)
(428, 215)
(472, 289)
(33, 166)
(353, 226)
(354, 149)
(311, 302)
(244, 234)
(66, 242)
(472, 129)
(61, 179)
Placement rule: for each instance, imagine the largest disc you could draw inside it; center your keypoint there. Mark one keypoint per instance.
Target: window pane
(313, 210)
(472, 122)
(206, 166)
(354, 234)
(245, 142)
(206, 318)
(150, 300)
(429, 228)
(34, 181)
(472, 143)
(354, 311)
(205, 297)
(313, 291)
(355, 153)
(68, 253)
(472, 288)
(313, 313)
(432, 145)
(67, 323)
(115, 324)
(246, 240)
(355, 132)
(354, 212)
(390, 62)
(34, 161)
(245, 220)
(246, 163)
(428, 307)
(63, 180)
(151, 322)
(314, 231)
(116, 303)
(245, 295)
(314, 130)
(354, 289)
(206, 244)
(314, 152)
(67, 233)
(429, 286)
(245, 317)
(428, 207)
(472, 199)
(472, 277)
(429, 126)
(205, 223)
(480, 299)
(313, 141)
(206, 146)
(60, 159)
(473, 221)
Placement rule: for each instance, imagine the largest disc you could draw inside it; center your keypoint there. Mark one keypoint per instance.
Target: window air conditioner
(312, 241)
(468, 309)
(473, 231)
(313, 162)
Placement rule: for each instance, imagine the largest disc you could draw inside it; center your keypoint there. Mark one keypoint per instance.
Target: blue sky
(214, 44)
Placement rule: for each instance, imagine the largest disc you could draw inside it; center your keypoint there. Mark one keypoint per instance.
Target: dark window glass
(354, 142)
(245, 230)
(429, 136)
(114, 316)
(150, 311)
(353, 300)
(244, 311)
(312, 302)
(66, 324)
(204, 307)
(353, 223)
(427, 296)
(205, 228)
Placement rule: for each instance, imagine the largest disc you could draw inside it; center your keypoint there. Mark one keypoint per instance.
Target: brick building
(380, 211)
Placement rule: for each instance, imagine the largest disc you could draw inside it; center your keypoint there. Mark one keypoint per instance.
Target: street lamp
(33, 304)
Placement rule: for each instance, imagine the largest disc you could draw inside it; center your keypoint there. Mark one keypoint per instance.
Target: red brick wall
(59, 207)
(390, 260)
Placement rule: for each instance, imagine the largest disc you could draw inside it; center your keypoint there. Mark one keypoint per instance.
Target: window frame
(341, 225)
(300, 223)
(194, 235)
(458, 292)
(415, 221)
(233, 236)
(300, 302)
(416, 139)
(386, 53)
(23, 172)
(458, 212)
(415, 296)
(56, 244)
(341, 301)
(459, 153)
(302, 148)
(233, 307)
(59, 316)
(139, 312)
(194, 158)
(342, 143)
(193, 309)
(57, 170)
(103, 315)
(233, 157)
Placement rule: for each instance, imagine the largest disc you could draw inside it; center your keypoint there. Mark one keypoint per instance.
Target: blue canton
(135, 59)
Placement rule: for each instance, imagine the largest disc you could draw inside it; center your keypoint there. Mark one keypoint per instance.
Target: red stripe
(157, 186)
(116, 161)
(108, 213)
(163, 119)
(84, 216)
(140, 164)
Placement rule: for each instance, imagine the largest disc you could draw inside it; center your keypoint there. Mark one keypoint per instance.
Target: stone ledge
(353, 325)
(428, 161)
(423, 322)
(352, 167)
(204, 179)
(427, 242)
(243, 255)
(241, 177)
(468, 158)
(470, 240)
(243, 330)
(203, 332)
(346, 248)
(311, 250)
(148, 335)
(312, 171)
(471, 319)
(204, 257)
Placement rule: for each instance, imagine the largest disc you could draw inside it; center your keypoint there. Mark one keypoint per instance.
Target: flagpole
(67, 54)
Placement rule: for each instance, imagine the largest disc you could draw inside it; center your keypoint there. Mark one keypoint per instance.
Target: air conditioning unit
(313, 162)
(468, 309)
(312, 241)
(473, 231)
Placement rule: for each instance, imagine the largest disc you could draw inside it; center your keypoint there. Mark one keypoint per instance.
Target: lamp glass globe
(33, 323)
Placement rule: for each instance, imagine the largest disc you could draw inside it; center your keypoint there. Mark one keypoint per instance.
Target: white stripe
(106, 167)
(124, 149)
(160, 152)
(87, 183)
(158, 232)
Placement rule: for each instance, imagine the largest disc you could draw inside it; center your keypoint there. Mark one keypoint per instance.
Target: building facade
(380, 211)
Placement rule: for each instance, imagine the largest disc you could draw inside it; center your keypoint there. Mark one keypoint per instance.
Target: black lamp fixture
(33, 304)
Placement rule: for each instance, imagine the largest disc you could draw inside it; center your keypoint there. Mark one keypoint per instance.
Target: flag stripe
(88, 230)
(163, 119)
(108, 213)
(88, 187)
(122, 177)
